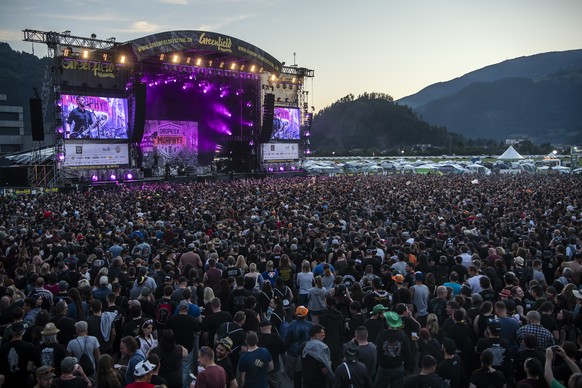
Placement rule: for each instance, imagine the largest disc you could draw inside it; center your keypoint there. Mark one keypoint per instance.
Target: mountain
(20, 73)
(536, 97)
(373, 121)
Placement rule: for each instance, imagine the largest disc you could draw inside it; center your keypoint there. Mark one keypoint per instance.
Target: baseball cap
(143, 368)
(68, 364)
(184, 305)
(418, 275)
(226, 342)
(494, 326)
(301, 311)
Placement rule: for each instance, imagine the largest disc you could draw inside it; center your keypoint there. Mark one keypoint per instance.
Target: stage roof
(190, 46)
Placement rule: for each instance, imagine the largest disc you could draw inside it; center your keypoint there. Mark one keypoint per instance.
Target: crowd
(369, 281)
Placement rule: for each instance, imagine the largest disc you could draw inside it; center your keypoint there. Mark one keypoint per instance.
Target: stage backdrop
(166, 141)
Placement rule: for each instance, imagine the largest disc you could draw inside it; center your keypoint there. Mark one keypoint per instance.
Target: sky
(353, 46)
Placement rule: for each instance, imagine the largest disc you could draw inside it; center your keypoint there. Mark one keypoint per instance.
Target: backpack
(284, 297)
(163, 312)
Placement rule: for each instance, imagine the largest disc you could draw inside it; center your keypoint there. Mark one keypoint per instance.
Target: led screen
(280, 151)
(286, 124)
(91, 117)
(83, 154)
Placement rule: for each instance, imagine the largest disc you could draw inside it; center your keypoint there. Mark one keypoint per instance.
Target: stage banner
(167, 141)
(77, 72)
(182, 41)
(79, 154)
(279, 151)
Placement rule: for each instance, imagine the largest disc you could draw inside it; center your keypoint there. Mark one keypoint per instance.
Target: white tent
(510, 154)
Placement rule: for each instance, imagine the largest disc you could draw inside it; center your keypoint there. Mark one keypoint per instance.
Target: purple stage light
(61, 157)
(112, 177)
(270, 169)
(251, 143)
(307, 134)
(249, 104)
(94, 178)
(307, 151)
(60, 130)
(281, 168)
(293, 168)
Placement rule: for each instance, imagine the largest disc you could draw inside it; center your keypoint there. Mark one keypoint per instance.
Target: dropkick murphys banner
(174, 142)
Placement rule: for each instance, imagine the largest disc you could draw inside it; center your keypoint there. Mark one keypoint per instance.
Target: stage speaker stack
(139, 90)
(36, 119)
(268, 117)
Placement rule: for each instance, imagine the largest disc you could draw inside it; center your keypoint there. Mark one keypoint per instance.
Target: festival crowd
(355, 281)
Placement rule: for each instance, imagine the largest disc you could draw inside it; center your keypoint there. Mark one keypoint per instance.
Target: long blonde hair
(208, 295)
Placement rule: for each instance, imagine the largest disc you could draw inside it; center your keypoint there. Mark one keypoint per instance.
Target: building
(12, 138)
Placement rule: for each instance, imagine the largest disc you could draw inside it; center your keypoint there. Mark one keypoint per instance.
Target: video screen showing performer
(286, 125)
(90, 117)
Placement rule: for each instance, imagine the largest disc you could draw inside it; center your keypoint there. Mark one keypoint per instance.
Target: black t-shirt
(185, 328)
(14, 358)
(424, 381)
(226, 364)
(451, 370)
(374, 326)
(274, 344)
(549, 322)
(76, 382)
(486, 379)
(212, 322)
(312, 374)
(131, 327)
(500, 349)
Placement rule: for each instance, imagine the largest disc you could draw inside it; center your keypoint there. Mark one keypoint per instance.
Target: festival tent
(510, 154)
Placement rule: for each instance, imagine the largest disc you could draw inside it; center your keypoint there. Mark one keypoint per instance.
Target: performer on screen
(80, 121)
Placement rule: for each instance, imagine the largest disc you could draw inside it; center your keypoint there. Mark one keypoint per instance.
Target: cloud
(141, 26)
(95, 17)
(225, 22)
(8, 35)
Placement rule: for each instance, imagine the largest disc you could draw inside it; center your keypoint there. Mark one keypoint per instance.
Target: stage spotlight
(261, 70)
(251, 143)
(176, 58)
(188, 60)
(85, 54)
(129, 176)
(270, 169)
(67, 51)
(61, 157)
(122, 59)
(281, 168)
(253, 68)
(104, 56)
(112, 177)
(94, 178)
(293, 168)
(294, 79)
(249, 104)
(162, 57)
(307, 134)
(221, 65)
(273, 77)
(242, 67)
(307, 151)
(233, 66)
(198, 61)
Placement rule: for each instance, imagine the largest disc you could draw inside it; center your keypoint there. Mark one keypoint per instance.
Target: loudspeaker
(36, 119)
(139, 112)
(268, 117)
